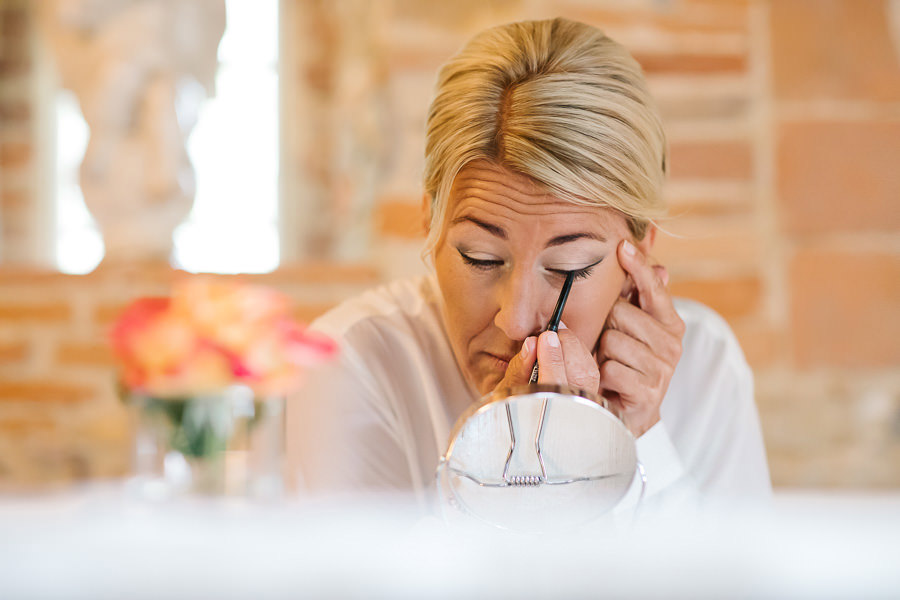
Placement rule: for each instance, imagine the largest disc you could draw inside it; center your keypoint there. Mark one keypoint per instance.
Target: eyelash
(483, 265)
(579, 274)
(486, 265)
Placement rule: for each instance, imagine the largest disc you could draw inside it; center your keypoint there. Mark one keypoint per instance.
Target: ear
(646, 244)
(426, 212)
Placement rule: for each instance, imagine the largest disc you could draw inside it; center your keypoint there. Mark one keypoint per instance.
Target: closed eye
(582, 273)
(480, 263)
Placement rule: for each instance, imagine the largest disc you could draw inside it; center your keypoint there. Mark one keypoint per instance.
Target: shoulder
(709, 410)
(712, 376)
(395, 306)
(389, 329)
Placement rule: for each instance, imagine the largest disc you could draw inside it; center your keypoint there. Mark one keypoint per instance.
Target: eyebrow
(557, 241)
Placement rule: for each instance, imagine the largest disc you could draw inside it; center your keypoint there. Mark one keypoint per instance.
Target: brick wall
(784, 124)
(16, 132)
(60, 418)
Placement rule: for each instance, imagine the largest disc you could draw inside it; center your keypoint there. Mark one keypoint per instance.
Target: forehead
(487, 189)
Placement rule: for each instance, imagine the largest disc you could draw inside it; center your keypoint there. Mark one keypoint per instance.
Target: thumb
(519, 370)
(550, 357)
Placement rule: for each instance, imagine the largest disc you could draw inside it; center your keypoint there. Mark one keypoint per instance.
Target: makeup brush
(553, 325)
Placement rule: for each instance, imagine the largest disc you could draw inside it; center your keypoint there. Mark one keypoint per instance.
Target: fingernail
(553, 339)
(629, 248)
(527, 346)
(562, 325)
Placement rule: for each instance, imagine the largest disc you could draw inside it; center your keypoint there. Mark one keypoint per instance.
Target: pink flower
(211, 334)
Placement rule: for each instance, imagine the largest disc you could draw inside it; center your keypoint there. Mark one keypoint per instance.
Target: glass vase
(228, 443)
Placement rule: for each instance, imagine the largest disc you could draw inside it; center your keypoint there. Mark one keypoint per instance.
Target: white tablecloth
(98, 543)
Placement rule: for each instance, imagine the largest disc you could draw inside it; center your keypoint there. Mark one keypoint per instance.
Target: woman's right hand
(563, 360)
(518, 372)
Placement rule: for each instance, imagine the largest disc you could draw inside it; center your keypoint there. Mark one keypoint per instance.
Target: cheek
(590, 303)
(464, 293)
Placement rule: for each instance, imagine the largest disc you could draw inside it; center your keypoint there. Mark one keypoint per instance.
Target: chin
(488, 382)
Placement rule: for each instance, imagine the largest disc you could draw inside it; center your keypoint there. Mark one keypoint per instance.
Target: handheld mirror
(537, 458)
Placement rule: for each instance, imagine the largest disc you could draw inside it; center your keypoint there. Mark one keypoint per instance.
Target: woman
(545, 154)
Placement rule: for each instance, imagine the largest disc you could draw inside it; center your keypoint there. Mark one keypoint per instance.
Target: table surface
(98, 542)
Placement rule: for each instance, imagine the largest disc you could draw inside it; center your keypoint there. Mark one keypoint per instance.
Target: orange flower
(211, 334)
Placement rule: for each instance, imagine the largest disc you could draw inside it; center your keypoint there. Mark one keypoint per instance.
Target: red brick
(14, 111)
(43, 391)
(11, 275)
(689, 63)
(35, 312)
(13, 155)
(839, 176)
(400, 218)
(699, 107)
(763, 345)
(467, 16)
(838, 49)
(13, 351)
(707, 241)
(402, 59)
(94, 354)
(732, 297)
(146, 273)
(14, 205)
(14, 23)
(689, 16)
(694, 207)
(10, 68)
(844, 309)
(711, 160)
(105, 314)
(313, 272)
(28, 424)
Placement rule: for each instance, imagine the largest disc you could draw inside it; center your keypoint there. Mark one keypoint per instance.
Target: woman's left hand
(641, 344)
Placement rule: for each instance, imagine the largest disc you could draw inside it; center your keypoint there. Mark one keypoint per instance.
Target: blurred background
(281, 141)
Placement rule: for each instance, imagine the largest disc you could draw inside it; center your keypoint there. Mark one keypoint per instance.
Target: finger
(518, 372)
(663, 340)
(631, 352)
(662, 273)
(652, 294)
(581, 367)
(627, 389)
(624, 381)
(551, 365)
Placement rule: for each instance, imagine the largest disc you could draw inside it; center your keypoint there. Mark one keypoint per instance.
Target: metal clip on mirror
(580, 463)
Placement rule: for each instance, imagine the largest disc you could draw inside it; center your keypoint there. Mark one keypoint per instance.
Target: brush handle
(534, 374)
(553, 325)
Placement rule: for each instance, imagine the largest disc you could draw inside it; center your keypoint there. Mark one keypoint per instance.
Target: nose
(520, 299)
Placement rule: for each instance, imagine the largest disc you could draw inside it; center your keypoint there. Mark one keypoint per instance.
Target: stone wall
(784, 126)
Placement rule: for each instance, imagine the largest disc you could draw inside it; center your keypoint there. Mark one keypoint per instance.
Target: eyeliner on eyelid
(579, 270)
(490, 263)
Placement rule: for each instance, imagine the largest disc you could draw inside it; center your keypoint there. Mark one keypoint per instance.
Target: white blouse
(379, 417)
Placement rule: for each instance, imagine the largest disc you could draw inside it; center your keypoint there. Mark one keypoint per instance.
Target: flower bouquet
(206, 371)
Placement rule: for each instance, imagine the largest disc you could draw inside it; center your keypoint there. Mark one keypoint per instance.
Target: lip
(502, 361)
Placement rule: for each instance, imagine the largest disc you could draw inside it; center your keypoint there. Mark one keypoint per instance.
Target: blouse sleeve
(708, 449)
(733, 468)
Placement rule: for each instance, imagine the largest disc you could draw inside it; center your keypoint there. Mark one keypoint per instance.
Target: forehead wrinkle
(504, 201)
(488, 193)
(481, 199)
(477, 176)
(503, 217)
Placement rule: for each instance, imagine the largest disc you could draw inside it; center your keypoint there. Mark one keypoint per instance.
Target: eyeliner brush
(553, 325)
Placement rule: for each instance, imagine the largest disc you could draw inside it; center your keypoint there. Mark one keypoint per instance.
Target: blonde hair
(555, 100)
